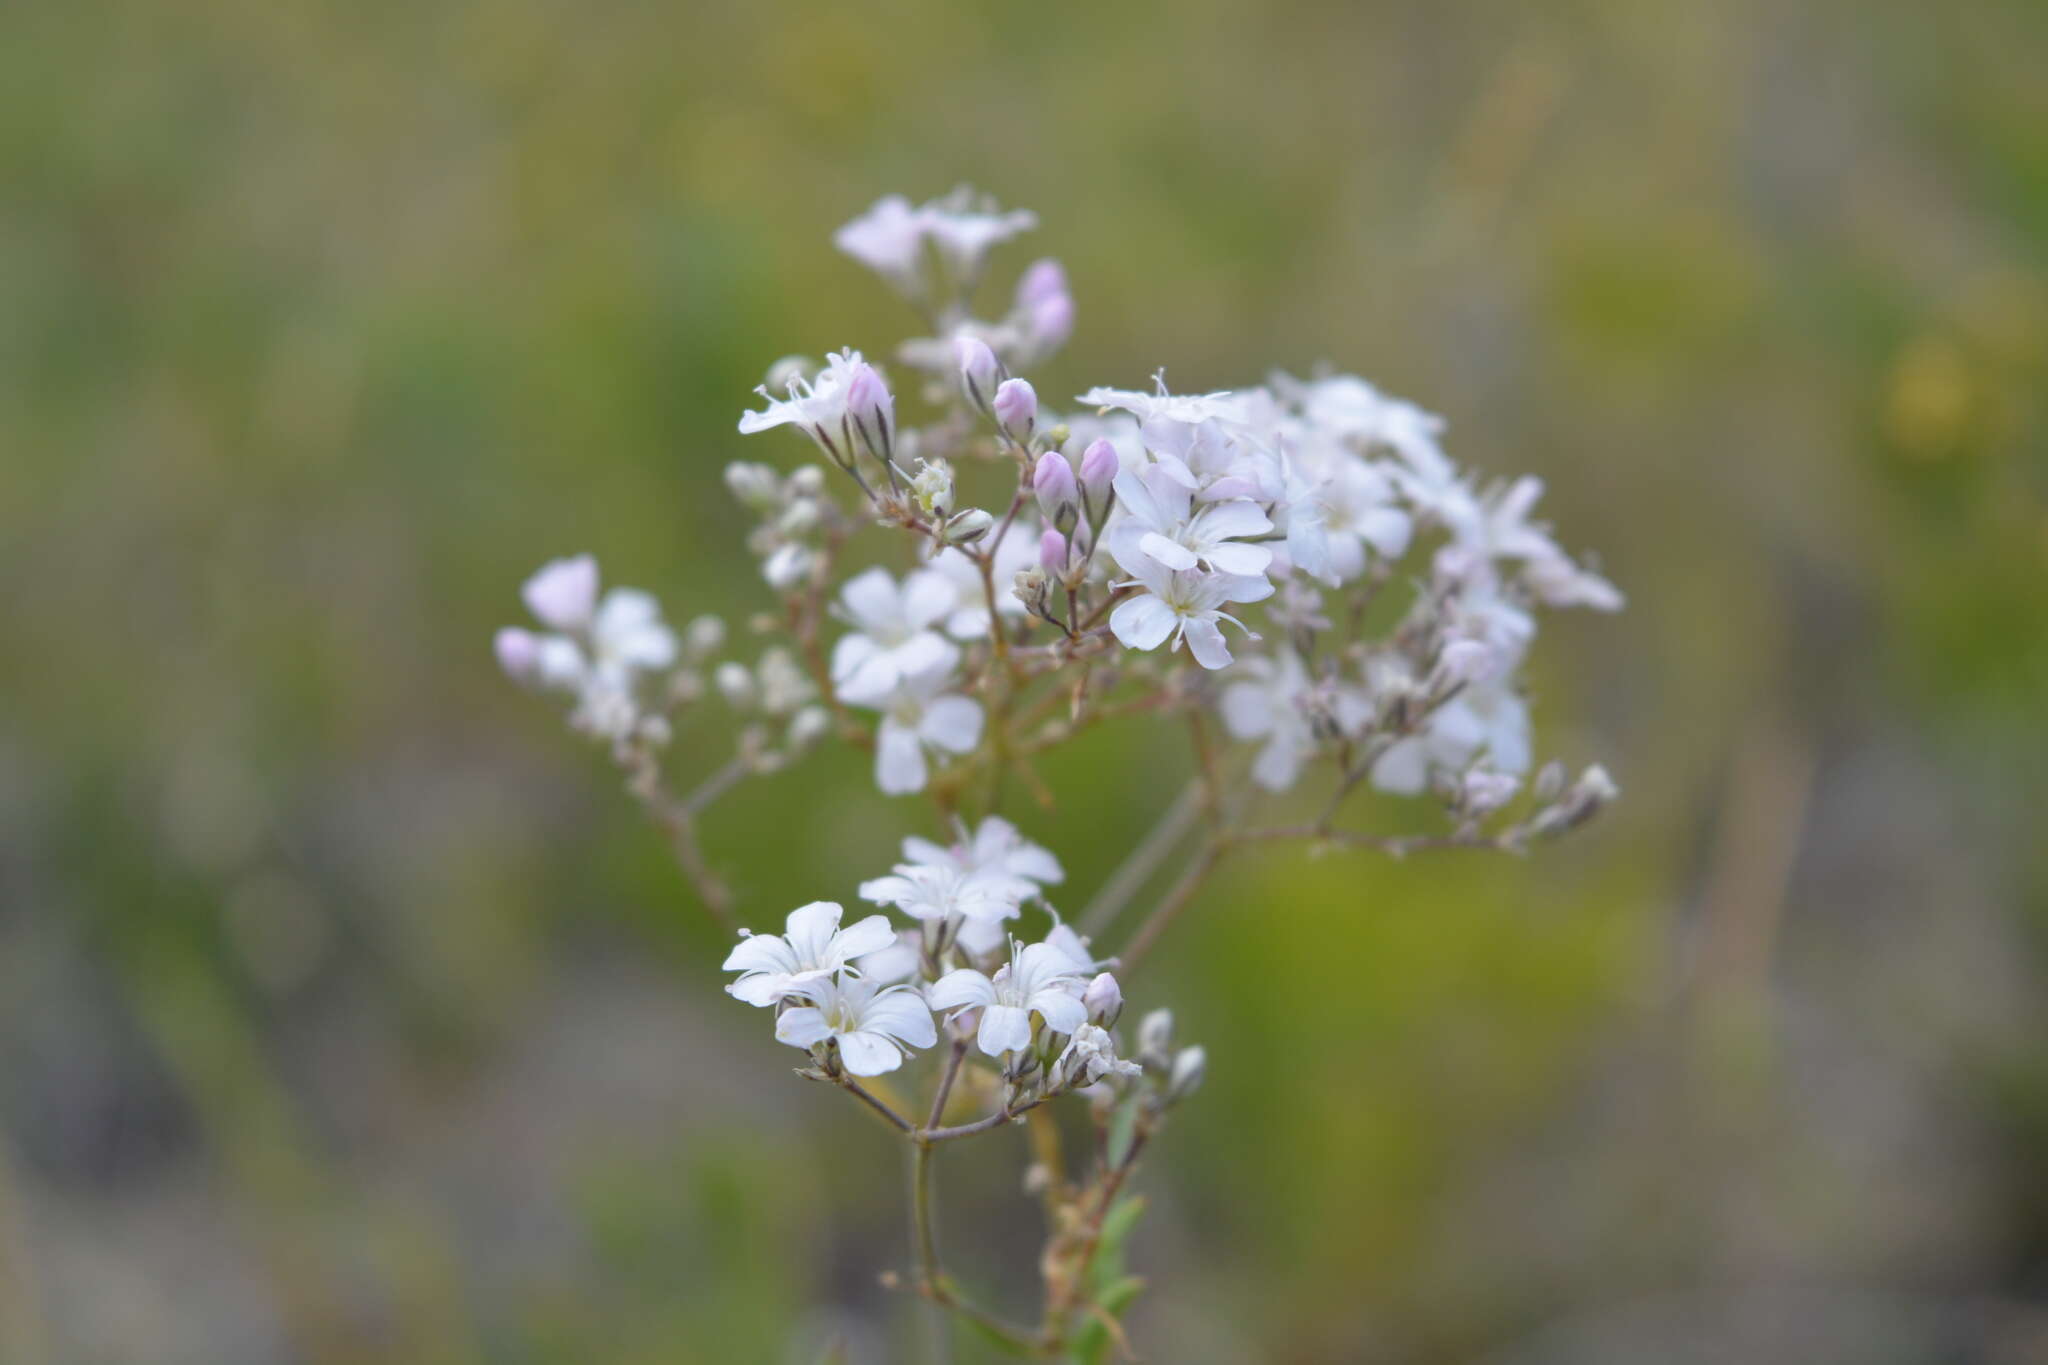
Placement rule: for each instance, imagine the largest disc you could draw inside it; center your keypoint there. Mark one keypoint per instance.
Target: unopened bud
(807, 482)
(1190, 1068)
(806, 728)
(1155, 1040)
(1052, 553)
(967, 527)
(736, 685)
(1099, 466)
(755, 485)
(1016, 408)
(787, 567)
(801, 515)
(1104, 1000)
(703, 635)
(518, 653)
(563, 593)
(1052, 480)
(980, 371)
(872, 409)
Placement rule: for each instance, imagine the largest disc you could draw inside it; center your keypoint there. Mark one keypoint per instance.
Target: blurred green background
(349, 1013)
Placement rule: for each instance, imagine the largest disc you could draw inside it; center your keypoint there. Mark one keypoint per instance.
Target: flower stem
(861, 1093)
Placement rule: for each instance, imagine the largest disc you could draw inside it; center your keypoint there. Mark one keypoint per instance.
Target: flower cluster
(861, 998)
(1296, 562)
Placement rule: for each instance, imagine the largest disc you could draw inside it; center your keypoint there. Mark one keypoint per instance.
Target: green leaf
(995, 1338)
(1108, 1267)
(1092, 1342)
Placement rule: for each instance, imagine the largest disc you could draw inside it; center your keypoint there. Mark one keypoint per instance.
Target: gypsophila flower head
(1487, 720)
(874, 1027)
(994, 849)
(1038, 979)
(599, 653)
(941, 891)
(890, 237)
(812, 946)
(892, 636)
(844, 402)
(921, 718)
(1185, 407)
(968, 617)
(1184, 604)
(1160, 525)
(964, 225)
(1271, 699)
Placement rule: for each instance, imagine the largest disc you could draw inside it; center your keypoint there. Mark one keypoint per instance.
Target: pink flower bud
(1052, 552)
(564, 593)
(1043, 280)
(1052, 322)
(518, 652)
(1099, 466)
(1047, 306)
(1053, 481)
(1016, 408)
(872, 408)
(980, 371)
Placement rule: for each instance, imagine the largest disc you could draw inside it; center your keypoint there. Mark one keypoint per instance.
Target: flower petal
(1142, 622)
(960, 988)
(952, 723)
(899, 760)
(1004, 1028)
(802, 1027)
(865, 936)
(866, 1053)
(1205, 642)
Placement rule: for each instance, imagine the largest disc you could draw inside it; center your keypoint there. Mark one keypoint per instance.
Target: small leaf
(1093, 1342)
(1123, 1216)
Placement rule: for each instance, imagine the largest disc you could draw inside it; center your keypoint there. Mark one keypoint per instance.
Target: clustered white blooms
(1056, 569)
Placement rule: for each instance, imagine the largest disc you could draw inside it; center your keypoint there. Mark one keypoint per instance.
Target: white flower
(919, 715)
(892, 635)
(1215, 460)
(898, 961)
(1489, 720)
(603, 651)
(1089, 1056)
(773, 966)
(964, 225)
(1190, 407)
(925, 891)
(1267, 701)
(994, 849)
(1355, 510)
(563, 592)
(846, 398)
(1039, 979)
(888, 239)
(969, 619)
(1184, 604)
(1558, 582)
(1159, 524)
(1075, 950)
(874, 1025)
